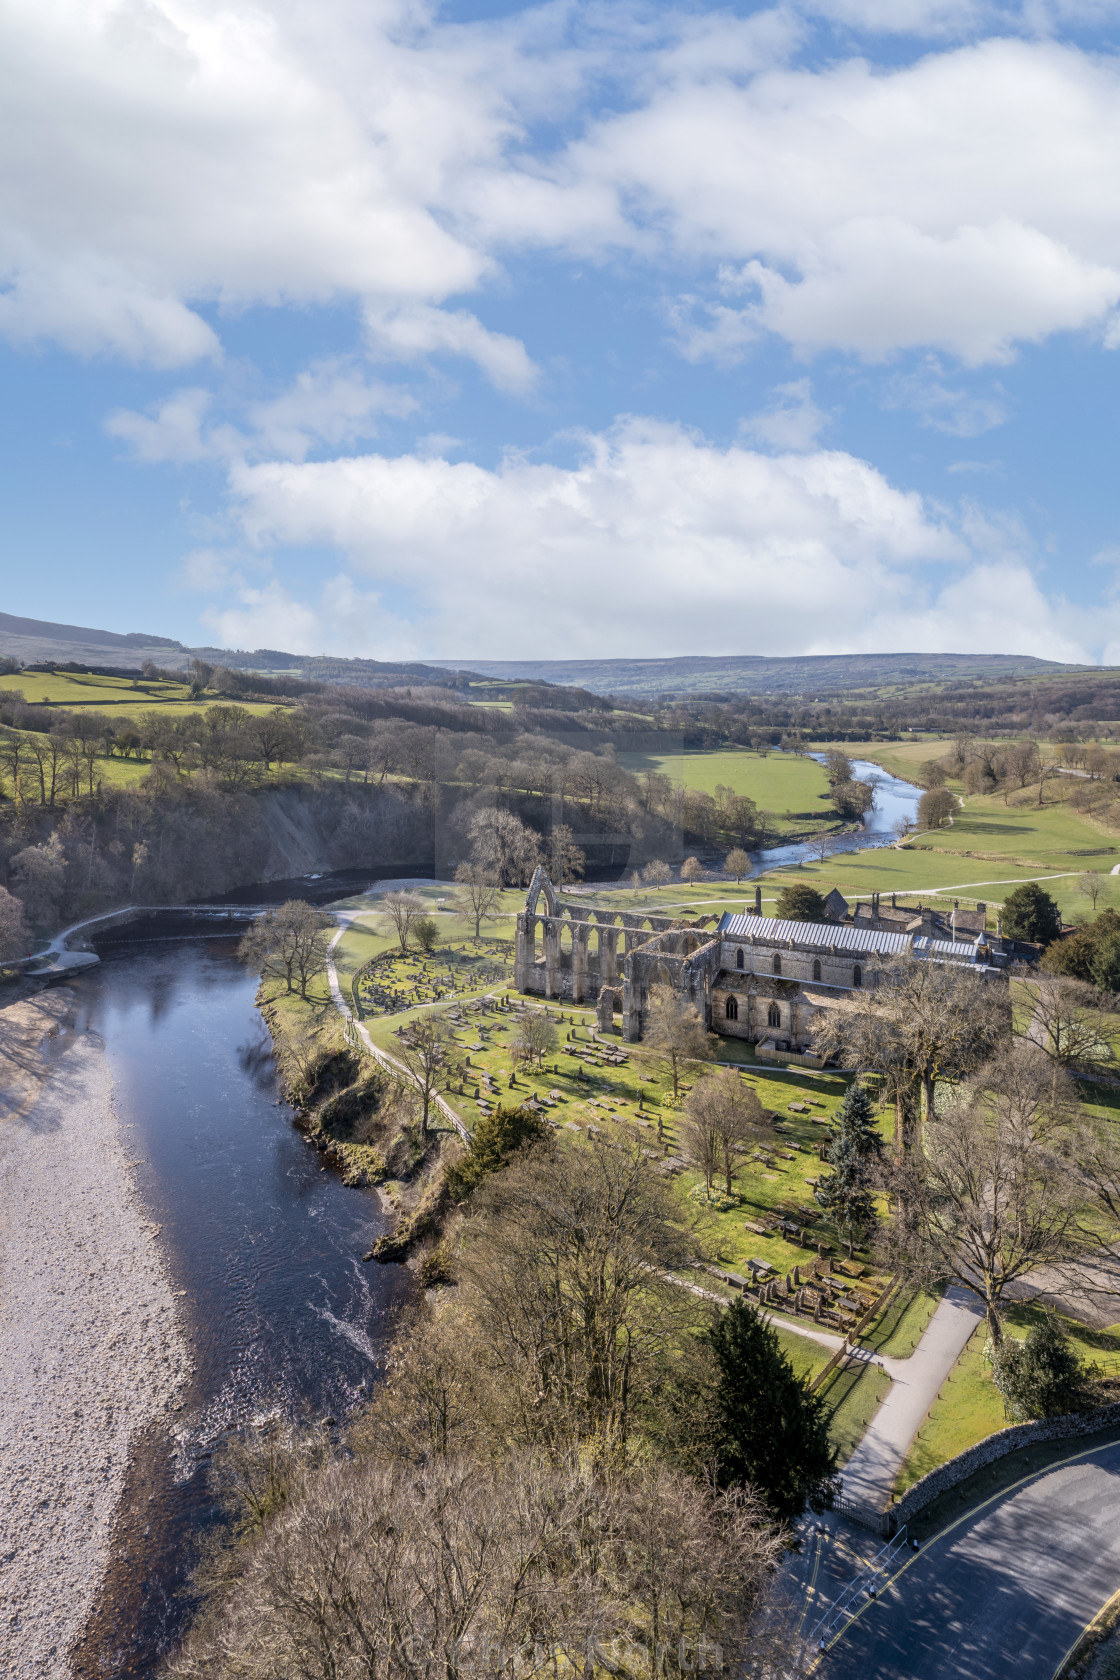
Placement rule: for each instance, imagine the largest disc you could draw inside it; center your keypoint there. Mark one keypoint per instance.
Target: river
(894, 799)
(280, 1312)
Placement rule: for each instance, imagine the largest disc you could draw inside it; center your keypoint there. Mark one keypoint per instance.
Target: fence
(857, 1330)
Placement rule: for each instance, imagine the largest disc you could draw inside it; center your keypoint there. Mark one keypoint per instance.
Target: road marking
(811, 1588)
(1088, 1628)
(967, 1516)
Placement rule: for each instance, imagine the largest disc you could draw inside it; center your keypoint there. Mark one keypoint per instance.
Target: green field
(969, 1407)
(120, 697)
(778, 782)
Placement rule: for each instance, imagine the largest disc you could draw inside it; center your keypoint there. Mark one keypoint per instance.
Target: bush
(1042, 1376)
(936, 807)
(426, 933)
(1031, 914)
(435, 1267)
(495, 1139)
(800, 903)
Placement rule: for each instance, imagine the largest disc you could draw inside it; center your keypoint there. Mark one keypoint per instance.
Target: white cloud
(657, 542)
(331, 403)
(792, 421)
(969, 201)
(414, 330)
(952, 409)
(342, 620)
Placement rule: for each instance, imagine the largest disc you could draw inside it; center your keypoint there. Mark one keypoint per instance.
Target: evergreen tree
(1031, 914)
(800, 902)
(846, 1194)
(854, 1147)
(765, 1426)
(1042, 1376)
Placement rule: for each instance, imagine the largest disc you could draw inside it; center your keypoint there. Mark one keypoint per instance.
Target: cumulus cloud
(968, 201)
(341, 619)
(792, 420)
(415, 330)
(332, 403)
(181, 158)
(655, 535)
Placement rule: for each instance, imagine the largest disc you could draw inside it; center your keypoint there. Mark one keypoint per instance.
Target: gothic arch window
(774, 1014)
(777, 963)
(732, 1010)
(738, 959)
(816, 968)
(857, 976)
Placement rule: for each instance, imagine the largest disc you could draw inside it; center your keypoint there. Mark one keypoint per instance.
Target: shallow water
(266, 1245)
(894, 798)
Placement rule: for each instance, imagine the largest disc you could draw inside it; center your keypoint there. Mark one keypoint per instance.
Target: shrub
(495, 1139)
(1042, 1376)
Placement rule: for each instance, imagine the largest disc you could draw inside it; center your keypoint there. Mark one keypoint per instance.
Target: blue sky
(484, 330)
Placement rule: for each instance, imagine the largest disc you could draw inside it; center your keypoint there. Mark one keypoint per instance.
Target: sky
(376, 328)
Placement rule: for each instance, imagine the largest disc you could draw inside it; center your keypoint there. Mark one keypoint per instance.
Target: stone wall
(997, 1446)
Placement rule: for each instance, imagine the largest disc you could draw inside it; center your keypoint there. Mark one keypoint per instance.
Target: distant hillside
(806, 675)
(38, 641)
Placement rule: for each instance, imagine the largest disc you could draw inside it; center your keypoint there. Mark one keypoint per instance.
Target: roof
(768, 930)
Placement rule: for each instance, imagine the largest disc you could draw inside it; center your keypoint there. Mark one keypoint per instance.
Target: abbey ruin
(749, 976)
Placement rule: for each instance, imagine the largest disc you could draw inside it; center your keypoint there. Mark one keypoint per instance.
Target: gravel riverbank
(90, 1346)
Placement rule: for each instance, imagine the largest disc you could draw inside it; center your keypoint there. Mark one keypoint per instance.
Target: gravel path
(90, 1351)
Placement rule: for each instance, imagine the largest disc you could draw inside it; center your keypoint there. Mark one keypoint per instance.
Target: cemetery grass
(777, 782)
(855, 1394)
(969, 1407)
(899, 1328)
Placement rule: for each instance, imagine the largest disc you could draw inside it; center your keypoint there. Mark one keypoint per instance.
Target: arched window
(774, 1014)
(777, 963)
(732, 1010)
(738, 959)
(857, 976)
(816, 968)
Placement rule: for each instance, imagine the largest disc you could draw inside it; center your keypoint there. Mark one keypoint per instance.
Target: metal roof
(769, 930)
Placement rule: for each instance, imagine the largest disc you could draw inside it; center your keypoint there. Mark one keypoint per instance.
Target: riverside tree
(15, 936)
(425, 1048)
(289, 943)
(737, 863)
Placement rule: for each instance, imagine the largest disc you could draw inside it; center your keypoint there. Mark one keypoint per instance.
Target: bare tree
(479, 894)
(1092, 884)
(737, 863)
(657, 873)
(919, 1023)
(1070, 1020)
(501, 843)
(692, 870)
(822, 846)
(989, 1201)
(534, 1037)
(15, 936)
(424, 1048)
(288, 943)
(565, 859)
(674, 1029)
(724, 1118)
(403, 909)
(565, 1266)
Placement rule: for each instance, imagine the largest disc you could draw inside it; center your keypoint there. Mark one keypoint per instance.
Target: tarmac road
(1004, 1592)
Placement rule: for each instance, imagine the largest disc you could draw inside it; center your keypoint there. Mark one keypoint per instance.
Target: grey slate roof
(768, 930)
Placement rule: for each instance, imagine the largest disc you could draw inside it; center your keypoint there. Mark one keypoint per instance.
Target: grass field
(778, 782)
(969, 1407)
(855, 1393)
(120, 697)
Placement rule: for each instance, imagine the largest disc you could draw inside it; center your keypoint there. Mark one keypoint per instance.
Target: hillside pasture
(777, 782)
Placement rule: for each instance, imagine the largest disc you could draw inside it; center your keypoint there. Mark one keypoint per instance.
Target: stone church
(750, 976)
